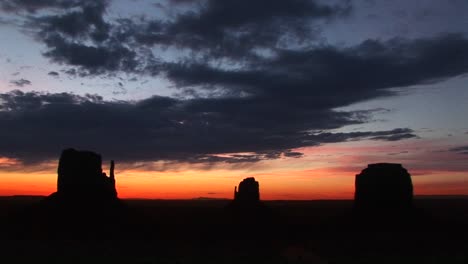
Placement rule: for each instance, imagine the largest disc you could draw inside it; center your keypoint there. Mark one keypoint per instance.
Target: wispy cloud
(20, 82)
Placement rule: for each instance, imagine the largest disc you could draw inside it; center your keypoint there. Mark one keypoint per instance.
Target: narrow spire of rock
(111, 171)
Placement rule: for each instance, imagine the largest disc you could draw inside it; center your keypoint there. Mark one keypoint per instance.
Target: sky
(191, 96)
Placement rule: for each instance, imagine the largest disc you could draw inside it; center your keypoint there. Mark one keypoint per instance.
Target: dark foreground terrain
(204, 231)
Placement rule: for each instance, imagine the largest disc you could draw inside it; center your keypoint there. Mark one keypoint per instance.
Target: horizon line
(422, 196)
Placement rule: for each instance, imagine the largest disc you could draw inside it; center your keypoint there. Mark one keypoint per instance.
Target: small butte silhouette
(246, 203)
(249, 191)
(246, 195)
(250, 219)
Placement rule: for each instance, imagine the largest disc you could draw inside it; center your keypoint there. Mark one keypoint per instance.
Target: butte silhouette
(383, 187)
(249, 192)
(251, 220)
(246, 201)
(81, 183)
(85, 204)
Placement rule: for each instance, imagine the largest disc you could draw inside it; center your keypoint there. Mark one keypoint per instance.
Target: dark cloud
(162, 128)
(20, 82)
(80, 37)
(53, 73)
(327, 77)
(460, 150)
(71, 72)
(393, 135)
(92, 59)
(34, 5)
(235, 27)
(397, 153)
(220, 29)
(87, 21)
(293, 154)
(267, 40)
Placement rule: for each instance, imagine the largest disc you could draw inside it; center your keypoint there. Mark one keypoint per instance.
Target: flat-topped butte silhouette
(80, 177)
(383, 186)
(247, 198)
(249, 191)
(249, 218)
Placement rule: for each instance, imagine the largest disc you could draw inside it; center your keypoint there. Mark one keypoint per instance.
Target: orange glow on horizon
(325, 172)
(293, 185)
(13, 183)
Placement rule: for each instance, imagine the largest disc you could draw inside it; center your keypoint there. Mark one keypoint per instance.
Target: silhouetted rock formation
(80, 174)
(248, 191)
(249, 218)
(383, 186)
(247, 197)
(85, 204)
(81, 179)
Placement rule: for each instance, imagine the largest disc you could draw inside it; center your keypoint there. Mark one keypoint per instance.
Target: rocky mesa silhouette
(249, 191)
(85, 204)
(383, 186)
(81, 180)
(247, 198)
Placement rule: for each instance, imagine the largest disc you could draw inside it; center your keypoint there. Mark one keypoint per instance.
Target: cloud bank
(39, 125)
(253, 78)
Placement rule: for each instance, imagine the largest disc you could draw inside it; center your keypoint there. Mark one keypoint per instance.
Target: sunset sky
(191, 96)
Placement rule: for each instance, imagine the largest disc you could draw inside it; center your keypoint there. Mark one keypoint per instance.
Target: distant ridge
(23, 197)
(209, 199)
(26, 196)
(442, 196)
(422, 196)
(175, 199)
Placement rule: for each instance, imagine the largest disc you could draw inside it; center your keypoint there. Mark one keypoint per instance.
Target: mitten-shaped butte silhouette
(248, 191)
(80, 176)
